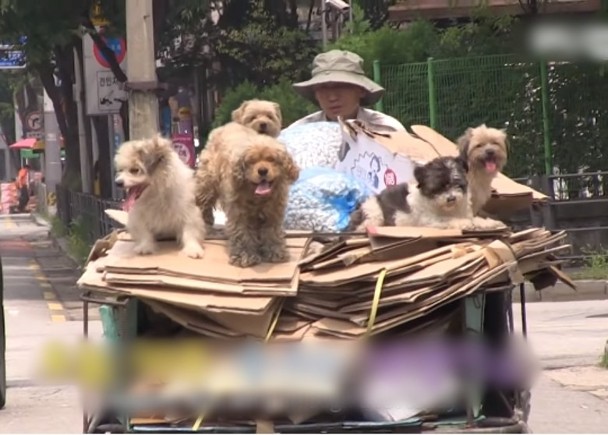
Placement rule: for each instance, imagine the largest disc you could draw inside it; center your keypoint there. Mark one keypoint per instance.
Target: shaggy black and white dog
(438, 198)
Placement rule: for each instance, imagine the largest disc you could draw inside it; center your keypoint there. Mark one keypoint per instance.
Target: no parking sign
(117, 45)
(183, 144)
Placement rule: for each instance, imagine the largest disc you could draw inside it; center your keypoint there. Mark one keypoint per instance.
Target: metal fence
(555, 113)
(86, 209)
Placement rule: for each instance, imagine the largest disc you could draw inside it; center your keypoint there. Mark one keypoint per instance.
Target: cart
(486, 313)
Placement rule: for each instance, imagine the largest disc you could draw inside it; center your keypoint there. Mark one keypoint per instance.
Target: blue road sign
(12, 59)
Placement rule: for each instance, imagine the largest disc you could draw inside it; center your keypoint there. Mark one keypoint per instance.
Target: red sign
(117, 45)
(390, 178)
(183, 144)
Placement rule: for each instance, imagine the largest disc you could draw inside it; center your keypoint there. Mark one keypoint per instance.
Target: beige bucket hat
(337, 66)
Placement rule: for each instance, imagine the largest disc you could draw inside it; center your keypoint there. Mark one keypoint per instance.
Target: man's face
(338, 99)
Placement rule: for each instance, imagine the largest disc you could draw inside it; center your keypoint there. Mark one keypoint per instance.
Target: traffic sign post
(104, 93)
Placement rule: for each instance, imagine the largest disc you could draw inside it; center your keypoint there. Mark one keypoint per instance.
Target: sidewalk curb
(586, 290)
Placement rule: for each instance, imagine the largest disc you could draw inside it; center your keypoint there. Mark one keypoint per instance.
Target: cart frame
(120, 319)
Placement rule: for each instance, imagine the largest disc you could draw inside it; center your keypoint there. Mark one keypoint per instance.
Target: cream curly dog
(160, 196)
(260, 115)
(250, 174)
(485, 150)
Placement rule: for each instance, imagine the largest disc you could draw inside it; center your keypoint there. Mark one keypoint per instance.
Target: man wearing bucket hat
(339, 86)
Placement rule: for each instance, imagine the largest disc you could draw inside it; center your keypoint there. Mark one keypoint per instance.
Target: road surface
(41, 304)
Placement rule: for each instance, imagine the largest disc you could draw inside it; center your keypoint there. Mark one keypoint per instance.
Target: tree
(251, 40)
(52, 37)
(7, 109)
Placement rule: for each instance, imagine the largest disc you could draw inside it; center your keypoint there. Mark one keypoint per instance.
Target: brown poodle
(250, 174)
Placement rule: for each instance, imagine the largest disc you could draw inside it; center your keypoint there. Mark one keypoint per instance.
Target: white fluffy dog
(160, 196)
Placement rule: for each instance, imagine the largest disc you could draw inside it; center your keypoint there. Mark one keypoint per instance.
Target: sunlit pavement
(35, 316)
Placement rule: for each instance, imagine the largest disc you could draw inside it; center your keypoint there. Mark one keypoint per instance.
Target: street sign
(11, 55)
(11, 58)
(34, 121)
(117, 45)
(104, 93)
(183, 144)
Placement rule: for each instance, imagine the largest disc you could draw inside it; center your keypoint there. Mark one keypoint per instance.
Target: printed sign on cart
(183, 144)
(104, 93)
(373, 164)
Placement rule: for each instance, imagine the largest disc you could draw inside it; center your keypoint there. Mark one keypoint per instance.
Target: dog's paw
(245, 259)
(193, 250)
(480, 223)
(275, 255)
(144, 248)
(459, 224)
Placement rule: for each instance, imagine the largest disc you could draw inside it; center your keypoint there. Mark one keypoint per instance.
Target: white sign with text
(104, 93)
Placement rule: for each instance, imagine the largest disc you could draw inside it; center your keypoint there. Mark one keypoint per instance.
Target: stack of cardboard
(397, 277)
(393, 282)
(207, 295)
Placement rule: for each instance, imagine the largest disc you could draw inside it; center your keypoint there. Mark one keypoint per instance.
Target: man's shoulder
(382, 119)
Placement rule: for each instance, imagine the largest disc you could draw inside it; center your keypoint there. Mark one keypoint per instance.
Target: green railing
(556, 114)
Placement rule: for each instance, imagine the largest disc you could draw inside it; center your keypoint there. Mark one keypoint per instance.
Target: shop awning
(24, 144)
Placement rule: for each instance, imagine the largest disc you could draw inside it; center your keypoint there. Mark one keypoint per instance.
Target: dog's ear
(239, 169)
(237, 114)
(394, 196)
(462, 161)
(278, 113)
(464, 142)
(419, 172)
(291, 168)
(155, 153)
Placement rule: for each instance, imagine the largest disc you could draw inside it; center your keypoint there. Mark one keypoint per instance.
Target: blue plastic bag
(322, 200)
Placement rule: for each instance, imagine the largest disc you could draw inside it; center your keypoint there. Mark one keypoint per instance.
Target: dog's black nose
(263, 171)
(490, 153)
(120, 183)
(451, 199)
(263, 126)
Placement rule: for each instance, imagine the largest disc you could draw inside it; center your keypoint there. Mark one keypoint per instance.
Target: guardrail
(72, 206)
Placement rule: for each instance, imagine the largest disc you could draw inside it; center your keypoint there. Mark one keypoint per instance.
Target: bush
(293, 107)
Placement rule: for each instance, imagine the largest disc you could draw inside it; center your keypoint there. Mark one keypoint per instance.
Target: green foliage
(58, 229)
(7, 109)
(596, 265)
(604, 359)
(233, 99)
(293, 107)
(79, 236)
(376, 11)
(263, 52)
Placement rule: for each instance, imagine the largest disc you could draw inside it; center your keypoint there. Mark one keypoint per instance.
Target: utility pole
(52, 147)
(141, 70)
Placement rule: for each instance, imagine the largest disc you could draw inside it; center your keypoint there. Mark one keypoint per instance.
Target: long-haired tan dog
(260, 115)
(250, 175)
(160, 196)
(485, 150)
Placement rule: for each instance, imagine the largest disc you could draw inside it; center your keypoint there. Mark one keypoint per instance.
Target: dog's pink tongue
(490, 167)
(129, 201)
(263, 188)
